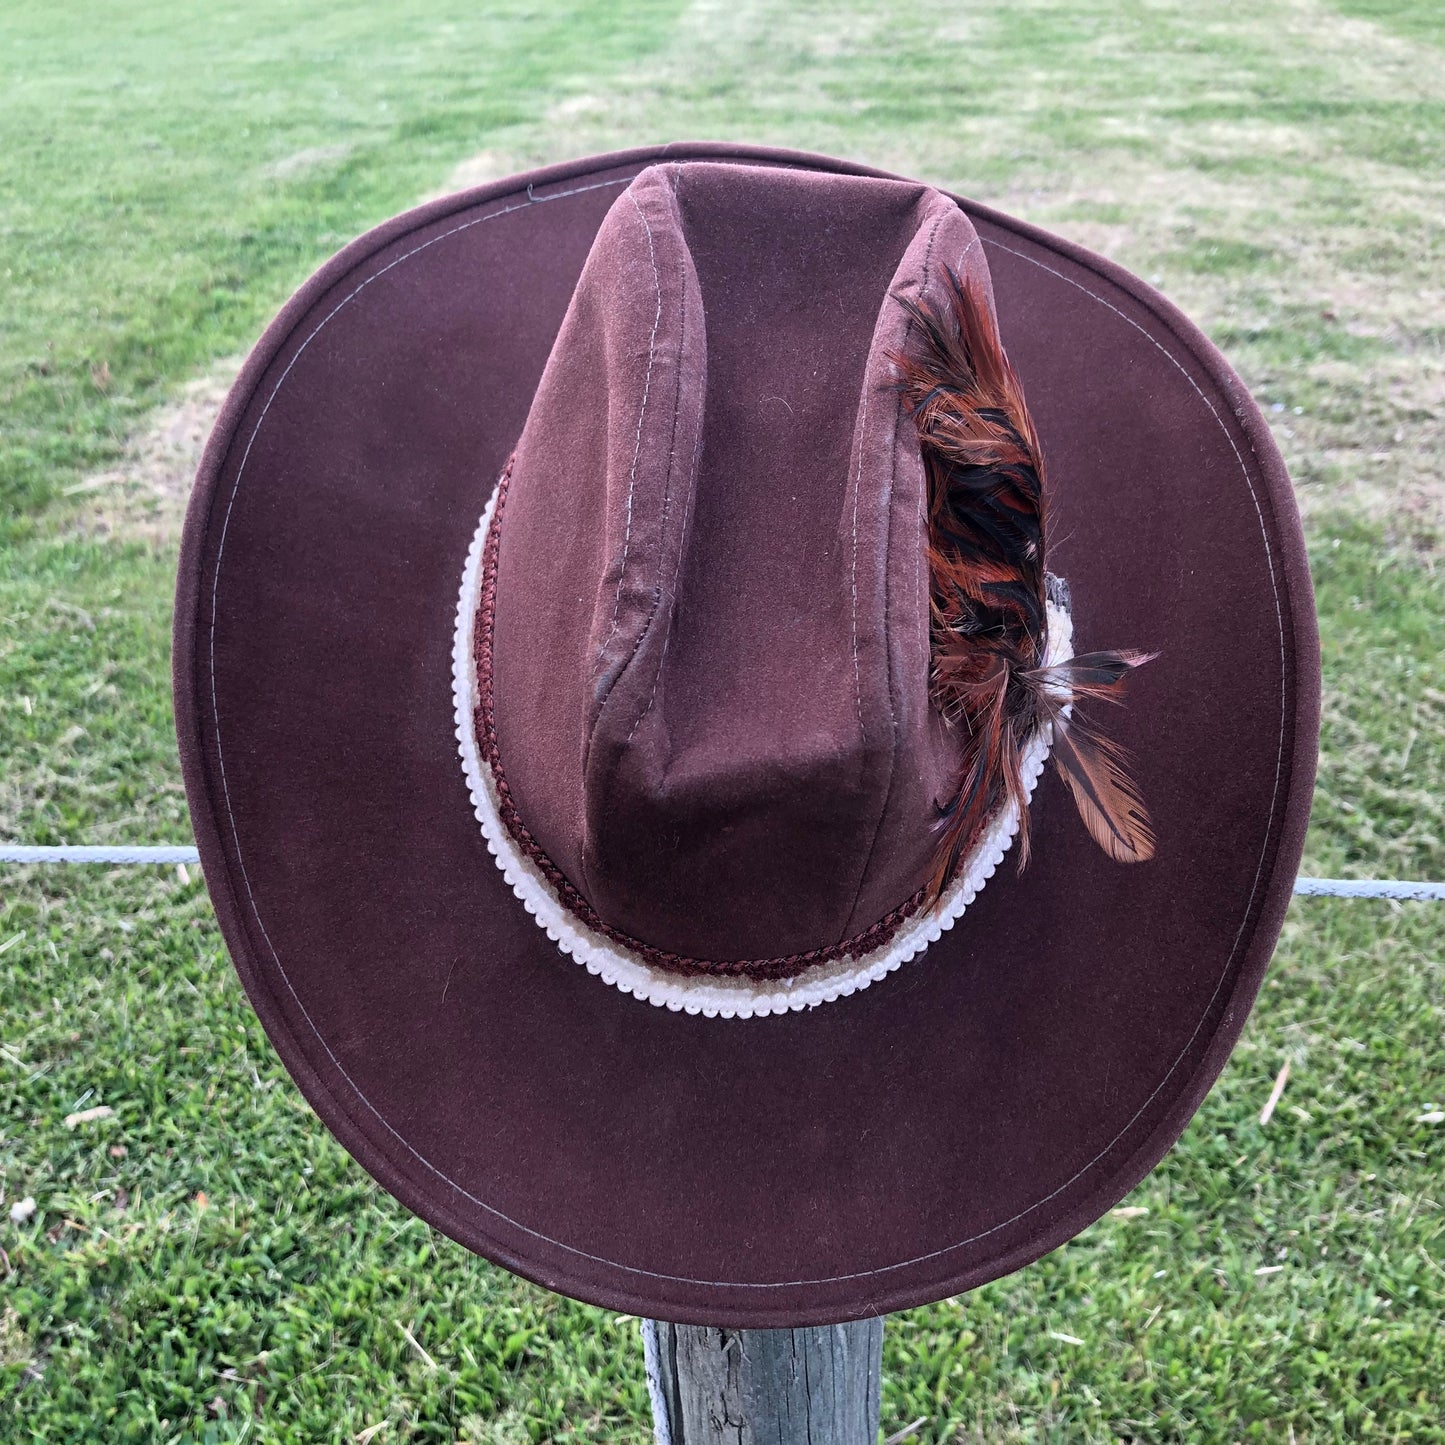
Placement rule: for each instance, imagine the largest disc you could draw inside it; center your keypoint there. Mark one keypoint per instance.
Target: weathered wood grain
(767, 1387)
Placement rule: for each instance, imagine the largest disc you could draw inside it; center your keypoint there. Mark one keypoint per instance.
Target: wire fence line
(1398, 888)
(1368, 888)
(24, 853)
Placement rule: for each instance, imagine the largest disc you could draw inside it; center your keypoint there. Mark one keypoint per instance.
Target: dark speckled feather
(987, 525)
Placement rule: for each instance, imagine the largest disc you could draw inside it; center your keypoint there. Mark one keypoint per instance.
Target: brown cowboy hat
(614, 650)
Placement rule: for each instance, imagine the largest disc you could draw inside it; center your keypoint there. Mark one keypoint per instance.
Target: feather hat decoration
(987, 529)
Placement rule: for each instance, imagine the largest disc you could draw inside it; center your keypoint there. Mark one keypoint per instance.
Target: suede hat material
(726, 741)
(701, 616)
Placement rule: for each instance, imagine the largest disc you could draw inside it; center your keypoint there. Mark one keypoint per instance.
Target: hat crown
(710, 630)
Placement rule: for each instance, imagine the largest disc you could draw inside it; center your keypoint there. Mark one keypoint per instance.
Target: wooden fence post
(815, 1386)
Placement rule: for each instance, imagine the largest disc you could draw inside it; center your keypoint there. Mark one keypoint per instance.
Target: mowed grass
(205, 1263)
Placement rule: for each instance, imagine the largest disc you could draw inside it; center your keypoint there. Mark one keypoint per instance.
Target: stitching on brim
(537, 1234)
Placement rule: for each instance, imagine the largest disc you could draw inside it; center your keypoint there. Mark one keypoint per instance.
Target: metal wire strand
(1399, 888)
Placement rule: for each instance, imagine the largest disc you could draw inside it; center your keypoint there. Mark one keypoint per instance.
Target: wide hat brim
(955, 1121)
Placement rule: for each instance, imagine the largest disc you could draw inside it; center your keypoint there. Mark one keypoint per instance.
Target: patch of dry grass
(144, 497)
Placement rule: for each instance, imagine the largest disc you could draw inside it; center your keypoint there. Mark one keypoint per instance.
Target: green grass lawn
(206, 1264)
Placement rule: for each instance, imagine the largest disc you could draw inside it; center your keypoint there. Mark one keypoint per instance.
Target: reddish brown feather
(987, 516)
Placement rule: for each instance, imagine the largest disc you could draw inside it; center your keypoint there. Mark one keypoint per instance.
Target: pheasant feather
(987, 526)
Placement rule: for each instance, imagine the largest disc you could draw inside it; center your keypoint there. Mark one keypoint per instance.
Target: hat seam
(681, 542)
(657, 589)
(637, 445)
(887, 542)
(887, 571)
